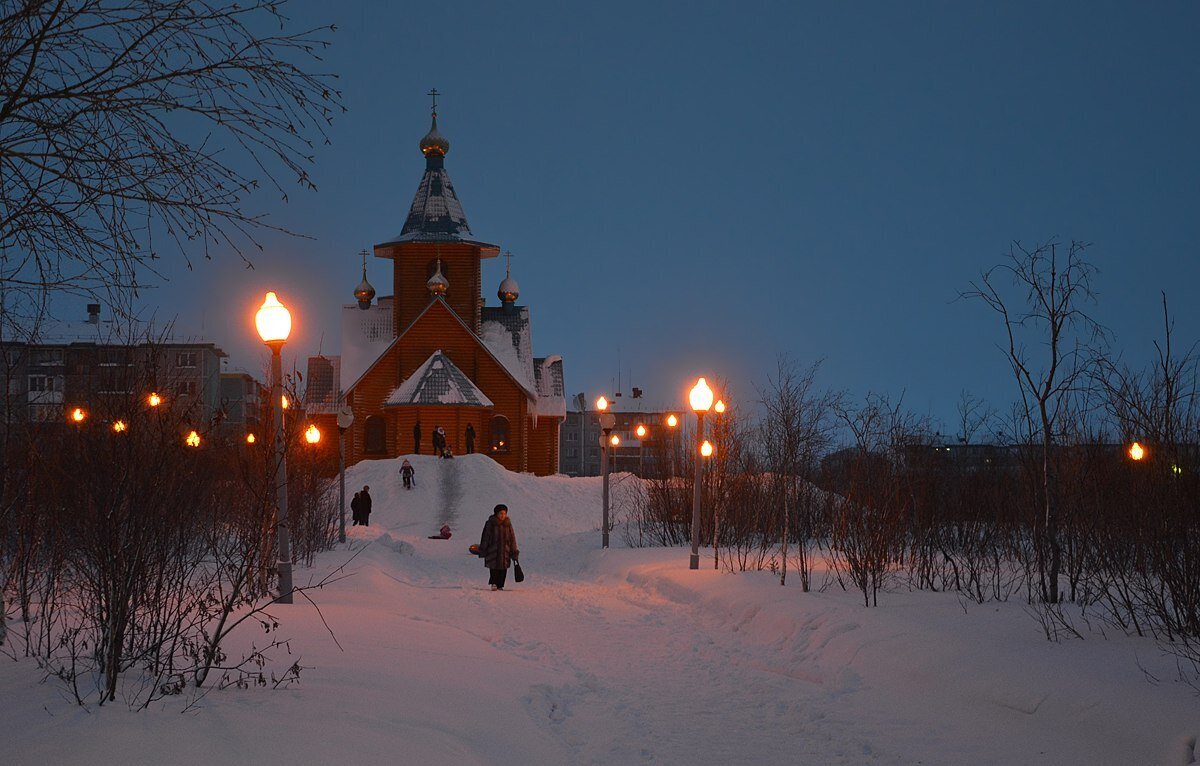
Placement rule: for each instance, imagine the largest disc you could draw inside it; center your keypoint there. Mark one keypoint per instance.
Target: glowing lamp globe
(273, 320)
(672, 421)
(641, 431)
(153, 399)
(283, 400)
(602, 404)
(119, 426)
(312, 434)
(78, 415)
(701, 396)
(706, 449)
(1136, 451)
(615, 440)
(719, 407)
(249, 438)
(193, 439)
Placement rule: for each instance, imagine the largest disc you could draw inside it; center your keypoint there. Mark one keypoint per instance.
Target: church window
(375, 436)
(500, 434)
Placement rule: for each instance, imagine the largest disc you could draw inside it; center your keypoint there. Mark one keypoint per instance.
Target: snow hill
(623, 657)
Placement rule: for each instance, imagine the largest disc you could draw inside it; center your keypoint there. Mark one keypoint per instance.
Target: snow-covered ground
(623, 657)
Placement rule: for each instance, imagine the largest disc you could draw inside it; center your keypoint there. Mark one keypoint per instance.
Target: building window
(500, 439)
(116, 357)
(594, 452)
(572, 452)
(572, 436)
(185, 359)
(375, 435)
(186, 388)
(47, 356)
(41, 383)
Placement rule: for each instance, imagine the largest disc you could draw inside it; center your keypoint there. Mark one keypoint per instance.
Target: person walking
(364, 504)
(417, 438)
(356, 508)
(407, 472)
(470, 438)
(438, 441)
(498, 546)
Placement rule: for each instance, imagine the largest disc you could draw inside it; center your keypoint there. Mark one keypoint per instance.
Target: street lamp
(119, 426)
(641, 435)
(249, 438)
(153, 399)
(78, 415)
(1136, 451)
(607, 421)
(701, 399)
(312, 434)
(193, 439)
(345, 419)
(274, 323)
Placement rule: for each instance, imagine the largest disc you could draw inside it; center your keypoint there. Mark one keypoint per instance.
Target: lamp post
(719, 437)
(701, 399)
(672, 423)
(274, 323)
(607, 421)
(641, 435)
(345, 419)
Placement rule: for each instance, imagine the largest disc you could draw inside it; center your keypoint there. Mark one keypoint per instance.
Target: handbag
(518, 575)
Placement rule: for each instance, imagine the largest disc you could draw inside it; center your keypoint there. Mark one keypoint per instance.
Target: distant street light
(701, 399)
(312, 434)
(345, 419)
(641, 435)
(153, 399)
(78, 415)
(672, 421)
(706, 449)
(119, 426)
(607, 421)
(193, 439)
(1136, 451)
(249, 438)
(719, 407)
(274, 323)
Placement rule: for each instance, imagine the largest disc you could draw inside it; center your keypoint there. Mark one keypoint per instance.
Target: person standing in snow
(406, 473)
(417, 438)
(470, 438)
(498, 546)
(364, 502)
(356, 509)
(438, 444)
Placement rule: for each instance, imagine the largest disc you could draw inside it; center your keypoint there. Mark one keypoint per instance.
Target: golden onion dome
(364, 293)
(434, 144)
(437, 284)
(509, 290)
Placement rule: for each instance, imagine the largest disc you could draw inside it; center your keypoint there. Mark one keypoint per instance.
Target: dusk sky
(695, 188)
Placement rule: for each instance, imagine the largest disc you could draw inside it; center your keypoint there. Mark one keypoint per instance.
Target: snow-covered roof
(437, 382)
(365, 335)
(117, 333)
(552, 399)
(507, 335)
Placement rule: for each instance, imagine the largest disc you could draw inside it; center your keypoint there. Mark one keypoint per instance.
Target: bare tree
(1048, 315)
(124, 125)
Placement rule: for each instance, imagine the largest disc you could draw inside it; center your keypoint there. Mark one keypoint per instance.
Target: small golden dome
(437, 284)
(364, 293)
(434, 144)
(509, 290)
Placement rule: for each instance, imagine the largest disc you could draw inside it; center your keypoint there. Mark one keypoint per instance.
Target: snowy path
(624, 657)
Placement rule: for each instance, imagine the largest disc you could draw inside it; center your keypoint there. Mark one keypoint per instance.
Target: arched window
(499, 434)
(375, 436)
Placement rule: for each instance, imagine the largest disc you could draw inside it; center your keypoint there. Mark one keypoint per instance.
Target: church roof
(437, 382)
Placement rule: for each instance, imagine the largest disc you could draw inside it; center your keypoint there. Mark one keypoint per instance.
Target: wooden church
(434, 354)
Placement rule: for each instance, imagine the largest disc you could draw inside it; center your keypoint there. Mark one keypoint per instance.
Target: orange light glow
(78, 415)
(614, 440)
(672, 421)
(249, 438)
(602, 404)
(720, 407)
(273, 320)
(193, 439)
(284, 401)
(312, 434)
(706, 449)
(119, 426)
(701, 396)
(641, 431)
(154, 399)
(1136, 451)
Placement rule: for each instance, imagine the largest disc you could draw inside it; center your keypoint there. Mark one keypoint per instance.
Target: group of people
(441, 447)
(360, 507)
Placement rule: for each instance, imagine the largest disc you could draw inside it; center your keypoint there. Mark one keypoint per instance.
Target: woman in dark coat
(498, 546)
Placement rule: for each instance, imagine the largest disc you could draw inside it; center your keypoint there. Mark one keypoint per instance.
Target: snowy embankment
(623, 656)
